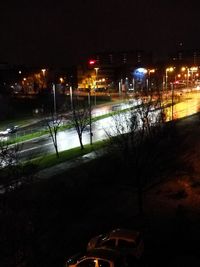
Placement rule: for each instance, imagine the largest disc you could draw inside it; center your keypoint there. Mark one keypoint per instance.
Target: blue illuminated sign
(139, 73)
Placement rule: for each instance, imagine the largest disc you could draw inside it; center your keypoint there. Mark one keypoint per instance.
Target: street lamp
(187, 75)
(43, 78)
(149, 78)
(43, 71)
(54, 98)
(71, 96)
(90, 113)
(96, 70)
(193, 69)
(170, 69)
(172, 88)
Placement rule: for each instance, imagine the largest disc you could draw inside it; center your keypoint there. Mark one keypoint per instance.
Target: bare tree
(53, 126)
(134, 137)
(81, 118)
(8, 154)
(13, 170)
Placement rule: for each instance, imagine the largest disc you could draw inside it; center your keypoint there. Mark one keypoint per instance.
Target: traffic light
(92, 62)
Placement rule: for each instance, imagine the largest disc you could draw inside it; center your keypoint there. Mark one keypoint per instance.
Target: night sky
(62, 33)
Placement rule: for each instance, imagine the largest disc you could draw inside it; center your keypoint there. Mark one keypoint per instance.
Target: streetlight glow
(43, 71)
(170, 69)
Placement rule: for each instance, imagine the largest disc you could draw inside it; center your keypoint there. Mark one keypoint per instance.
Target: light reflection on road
(187, 107)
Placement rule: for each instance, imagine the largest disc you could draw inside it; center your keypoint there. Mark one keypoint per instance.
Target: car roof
(106, 253)
(124, 234)
(101, 253)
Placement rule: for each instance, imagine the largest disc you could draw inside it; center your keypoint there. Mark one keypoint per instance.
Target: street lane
(67, 139)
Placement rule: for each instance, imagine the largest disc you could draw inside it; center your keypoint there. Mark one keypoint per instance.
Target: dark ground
(44, 224)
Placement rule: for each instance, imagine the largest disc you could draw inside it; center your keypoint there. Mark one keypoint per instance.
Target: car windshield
(109, 243)
(126, 244)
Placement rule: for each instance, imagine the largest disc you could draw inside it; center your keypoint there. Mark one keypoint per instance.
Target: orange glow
(152, 71)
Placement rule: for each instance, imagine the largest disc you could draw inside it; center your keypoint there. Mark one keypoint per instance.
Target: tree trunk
(56, 145)
(57, 154)
(80, 140)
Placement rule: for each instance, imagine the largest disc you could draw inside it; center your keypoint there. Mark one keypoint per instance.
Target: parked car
(127, 241)
(98, 258)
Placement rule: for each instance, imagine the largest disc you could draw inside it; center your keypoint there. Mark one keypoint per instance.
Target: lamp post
(172, 88)
(170, 69)
(90, 114)
(96, 70)
(44, 78)
(71, 96)
(120, 87)
(186, 75)
(54, 98)
(149, 78)
(193, 69)
(43, 71)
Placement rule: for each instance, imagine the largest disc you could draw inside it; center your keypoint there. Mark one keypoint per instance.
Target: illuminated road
(190, 104)
(69, 139)
(66, 140)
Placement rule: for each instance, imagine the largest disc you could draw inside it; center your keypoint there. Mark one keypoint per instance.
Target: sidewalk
(64, 166)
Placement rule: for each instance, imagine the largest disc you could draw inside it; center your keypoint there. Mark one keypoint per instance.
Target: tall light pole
(172, 88)
(96, 70)
(170, 69)
(120, 87)
(90, 114)
(149, 78)
(186, 75)
(71, 96)
(193, 69)
(54, 98)
(44, 78)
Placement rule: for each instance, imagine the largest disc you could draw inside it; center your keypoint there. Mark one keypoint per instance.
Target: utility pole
(172, 88)
(96, 70)
(90, 114)
(54, 98)
(71, 96)
(166, 76)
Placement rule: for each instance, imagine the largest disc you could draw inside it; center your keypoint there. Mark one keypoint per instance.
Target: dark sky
(63, 32)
